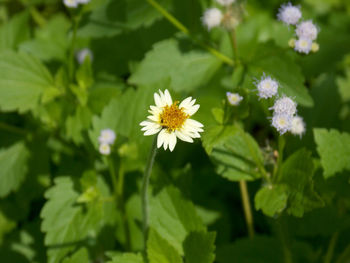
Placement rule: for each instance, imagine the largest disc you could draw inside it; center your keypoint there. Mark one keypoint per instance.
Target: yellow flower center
(172, 117)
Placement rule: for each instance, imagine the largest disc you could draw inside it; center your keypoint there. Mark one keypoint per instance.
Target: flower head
(212, 18)
(284, 105)
(298, 126)
(82, 54)
(234, 98)
(267, 87)
(172, 121)
(282, 122)
(289, 14)
(307, 30)
(71, 3)
(107, 136)
(105, 149)
(303, 45)
(225, 2)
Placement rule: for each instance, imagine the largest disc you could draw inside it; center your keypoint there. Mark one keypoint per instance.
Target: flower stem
(113, 176)
(331, 246)
(247, 208)
(284, 241)
(71, 62)
(278, 166)
(186, 31)
(144, 194)
(234, 45)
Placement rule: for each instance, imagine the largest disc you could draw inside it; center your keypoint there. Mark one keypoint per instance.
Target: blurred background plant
(69, 193)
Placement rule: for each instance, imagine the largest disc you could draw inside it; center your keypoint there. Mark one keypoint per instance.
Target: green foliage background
(58, 202)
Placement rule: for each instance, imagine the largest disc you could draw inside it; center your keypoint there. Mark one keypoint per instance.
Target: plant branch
(247, 208)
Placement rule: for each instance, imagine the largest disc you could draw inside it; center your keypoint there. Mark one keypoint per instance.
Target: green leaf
(14, 32)
(13, 167)
(51, 41)
(174, 217)
(81, 256)
(160, 251)
(334, 150)
(344, 86)
(23, 79)
(185, 71)
(271, 199)
(297, 173)
(114, 17)
(127, 258)
(77, 123)
(235, 153)
(200, 247)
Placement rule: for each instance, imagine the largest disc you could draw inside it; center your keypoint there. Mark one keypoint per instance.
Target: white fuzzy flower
(107, 136)
(289, 14)
(172, 121)
(82, 54)
(303, 45)
(267, 87)
(282, 122)
(105, 149)
(225, 2)
(234, 98)
(307, 30)
(71, 3)
(284, 105)
(212, 18)
(298, 126)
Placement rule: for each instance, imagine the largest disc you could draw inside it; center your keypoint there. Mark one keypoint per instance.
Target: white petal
(172, 141)
(154, 118)
(160, 138)
(157, 100)
(194, 123)
(184, 137)
(151, 131)
(185, 103)
(168, 98)
(192, 110)
(146, 123)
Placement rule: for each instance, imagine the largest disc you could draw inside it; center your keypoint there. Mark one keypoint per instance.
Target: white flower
(303, 45)
(71, 3)
(212, 18)
(282, 122)
(289, 14)
(82, 54)
(105, 149)
(225, 2)
(172, 121)
(298, 126)
(107, 136)
(284, 105)
(307, 30)
(234, 98)
(267, 87)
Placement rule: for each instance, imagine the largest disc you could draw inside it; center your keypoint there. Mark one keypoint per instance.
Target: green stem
(278, 166)
(331, 246)
(284, 241)
(144, 194)
(186, 31)
(71, 59)
(113, 176)
(247, 208)
(13, 129)
(234, 45)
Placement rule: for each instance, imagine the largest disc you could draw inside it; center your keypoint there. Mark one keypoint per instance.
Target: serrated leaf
(81, 256)
(13, 167)
(235, 153)
(14, 32)
(23, 79)
(200, 247)
(174, 217)
(160, 251)
(271, 200)
(166, 61)
(334, 150)
(127, 258)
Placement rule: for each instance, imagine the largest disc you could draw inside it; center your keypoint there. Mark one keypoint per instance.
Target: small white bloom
(71, 3)
(267, 87)
(172, 121)
(298, 126)
(225, 2)
(107, 136)
(234, 98)
(284, 105)
(105, 149)
(307, 30)
(82, 54)
(282, 122)
(289, 14)
(212, 18)
(303, 45)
